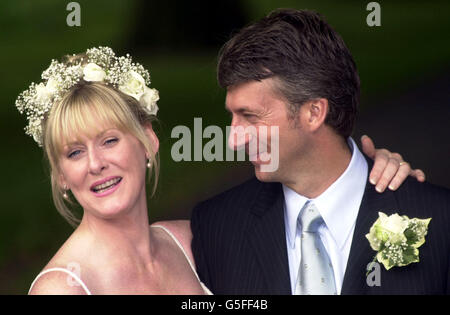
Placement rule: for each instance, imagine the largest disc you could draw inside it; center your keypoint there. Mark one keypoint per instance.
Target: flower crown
(102, 65)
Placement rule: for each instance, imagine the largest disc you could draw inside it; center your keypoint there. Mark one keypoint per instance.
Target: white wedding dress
(85, 288)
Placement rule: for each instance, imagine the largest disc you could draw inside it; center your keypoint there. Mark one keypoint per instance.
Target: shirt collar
(293, 204)
(338, 205)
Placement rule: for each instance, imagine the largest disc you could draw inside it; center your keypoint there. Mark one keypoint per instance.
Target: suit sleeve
(447, 292)
(198, 248)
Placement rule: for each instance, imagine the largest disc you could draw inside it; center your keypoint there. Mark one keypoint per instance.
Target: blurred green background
(403, 64)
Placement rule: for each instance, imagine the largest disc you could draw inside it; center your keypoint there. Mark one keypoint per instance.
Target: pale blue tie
(315, 274)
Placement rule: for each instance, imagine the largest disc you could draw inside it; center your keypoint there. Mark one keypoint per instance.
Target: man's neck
(328, 160)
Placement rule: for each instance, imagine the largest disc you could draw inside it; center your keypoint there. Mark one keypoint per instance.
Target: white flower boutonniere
(397, 239)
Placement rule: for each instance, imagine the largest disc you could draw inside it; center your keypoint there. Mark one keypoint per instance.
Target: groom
(301, 228)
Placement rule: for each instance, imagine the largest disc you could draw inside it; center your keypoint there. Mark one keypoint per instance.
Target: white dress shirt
(338, 206)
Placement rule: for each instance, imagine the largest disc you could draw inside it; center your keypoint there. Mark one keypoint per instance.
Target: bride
(93, 116)
(94, 119)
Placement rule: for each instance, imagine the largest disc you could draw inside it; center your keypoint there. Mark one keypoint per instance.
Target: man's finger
(403, 172)
(418, 174)
(368, 146)
(379, 165)
(388, 174)
(398, 157)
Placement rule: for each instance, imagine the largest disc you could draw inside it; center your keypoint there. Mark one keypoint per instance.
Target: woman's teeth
(106, 185)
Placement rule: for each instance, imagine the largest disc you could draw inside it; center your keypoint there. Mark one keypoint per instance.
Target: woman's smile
(107, 186)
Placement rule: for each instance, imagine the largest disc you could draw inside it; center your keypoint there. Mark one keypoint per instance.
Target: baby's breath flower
(102, 65)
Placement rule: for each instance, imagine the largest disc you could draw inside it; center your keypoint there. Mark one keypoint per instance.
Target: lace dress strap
(70, 273)
(207, 291)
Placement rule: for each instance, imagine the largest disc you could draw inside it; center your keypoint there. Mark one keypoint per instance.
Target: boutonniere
(397, 239)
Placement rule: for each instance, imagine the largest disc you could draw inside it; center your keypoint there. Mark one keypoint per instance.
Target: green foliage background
(410, 47)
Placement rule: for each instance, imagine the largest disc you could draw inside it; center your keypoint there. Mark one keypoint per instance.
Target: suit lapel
(361, 254)
(266, 235)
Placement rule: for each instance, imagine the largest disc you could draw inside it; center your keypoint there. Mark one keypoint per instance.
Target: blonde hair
(84, 110)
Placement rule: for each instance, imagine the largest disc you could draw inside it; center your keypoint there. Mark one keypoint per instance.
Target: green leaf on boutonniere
(397, 238)
(418, 228)
(410, 255)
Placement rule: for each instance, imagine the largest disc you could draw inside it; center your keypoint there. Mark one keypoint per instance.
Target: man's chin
(265, 176)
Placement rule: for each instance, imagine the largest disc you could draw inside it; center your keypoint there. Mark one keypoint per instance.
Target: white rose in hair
(93, 73)
(149, 99)
(41, 93)
(134, 86)
(52, 86)
(45, 92)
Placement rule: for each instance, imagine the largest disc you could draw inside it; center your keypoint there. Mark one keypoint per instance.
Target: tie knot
(310, 218)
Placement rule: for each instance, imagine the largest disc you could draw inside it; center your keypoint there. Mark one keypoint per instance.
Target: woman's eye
(74, 153)
(111, 141)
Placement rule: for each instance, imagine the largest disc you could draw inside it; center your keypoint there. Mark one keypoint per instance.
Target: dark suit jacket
(239, 241)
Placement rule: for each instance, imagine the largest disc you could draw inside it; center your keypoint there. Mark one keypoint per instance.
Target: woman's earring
(149, 164)
(65, 192)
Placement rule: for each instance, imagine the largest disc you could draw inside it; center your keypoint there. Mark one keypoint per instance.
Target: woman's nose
(96, 161)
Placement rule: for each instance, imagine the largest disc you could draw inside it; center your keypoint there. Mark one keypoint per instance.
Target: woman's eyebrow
(98, 135)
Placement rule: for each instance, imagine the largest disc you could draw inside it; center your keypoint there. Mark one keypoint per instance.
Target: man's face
(255, 106)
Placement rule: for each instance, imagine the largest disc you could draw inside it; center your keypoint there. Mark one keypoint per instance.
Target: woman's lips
(106, 187)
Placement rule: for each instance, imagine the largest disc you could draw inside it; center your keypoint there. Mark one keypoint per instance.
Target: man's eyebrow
(240, 109)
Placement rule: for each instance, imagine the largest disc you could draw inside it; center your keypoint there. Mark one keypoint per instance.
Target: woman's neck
(126, 236)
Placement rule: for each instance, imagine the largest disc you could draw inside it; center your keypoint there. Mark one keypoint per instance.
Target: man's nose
(239, 137)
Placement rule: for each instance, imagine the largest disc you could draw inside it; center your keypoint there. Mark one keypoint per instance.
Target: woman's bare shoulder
(181, 230)
(56, 277)
(55, 281)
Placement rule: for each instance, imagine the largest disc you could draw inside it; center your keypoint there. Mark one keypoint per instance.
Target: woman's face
(106, 172)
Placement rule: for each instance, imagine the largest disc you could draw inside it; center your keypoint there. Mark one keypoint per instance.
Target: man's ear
(153, 138)
(314, 113)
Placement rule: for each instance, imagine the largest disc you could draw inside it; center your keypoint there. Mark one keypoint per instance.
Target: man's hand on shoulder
(389, 169)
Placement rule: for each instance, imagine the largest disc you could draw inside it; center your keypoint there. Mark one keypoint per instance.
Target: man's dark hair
(307, 58)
